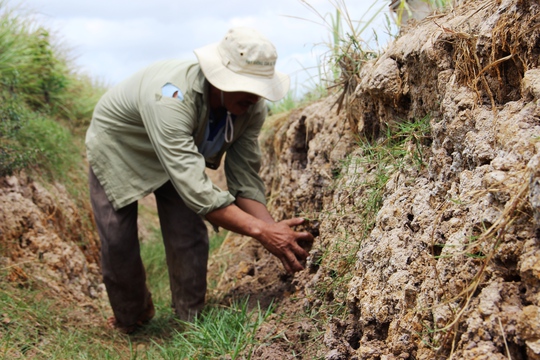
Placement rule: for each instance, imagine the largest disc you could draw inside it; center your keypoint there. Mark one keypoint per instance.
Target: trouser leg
(123, 271)
(186, 245)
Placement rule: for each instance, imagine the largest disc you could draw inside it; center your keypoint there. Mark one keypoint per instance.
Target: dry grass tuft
(493, 65)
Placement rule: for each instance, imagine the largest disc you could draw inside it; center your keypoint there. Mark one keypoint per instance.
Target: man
(155, 132)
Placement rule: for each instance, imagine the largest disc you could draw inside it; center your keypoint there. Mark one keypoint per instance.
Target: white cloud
(113, 38)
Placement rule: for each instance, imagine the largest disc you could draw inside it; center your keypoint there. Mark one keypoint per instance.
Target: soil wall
(450, 265)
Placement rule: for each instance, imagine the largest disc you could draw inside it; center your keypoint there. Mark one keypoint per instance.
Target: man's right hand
(282, 242)
(277, 237)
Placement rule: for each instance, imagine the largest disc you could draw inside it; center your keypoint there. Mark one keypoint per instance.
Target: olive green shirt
(139, 139)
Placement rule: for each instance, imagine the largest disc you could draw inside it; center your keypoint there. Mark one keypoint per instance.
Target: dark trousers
(186, 246)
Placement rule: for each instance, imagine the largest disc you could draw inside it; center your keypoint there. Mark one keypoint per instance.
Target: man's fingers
(291, 262)
(286, 265)
(305, 241)
(299, 251)
(298, 256)
(295, 249)
(305, 235)
(293, 221)
(294, 265)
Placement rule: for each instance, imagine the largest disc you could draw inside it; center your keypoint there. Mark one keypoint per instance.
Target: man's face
(239, 102)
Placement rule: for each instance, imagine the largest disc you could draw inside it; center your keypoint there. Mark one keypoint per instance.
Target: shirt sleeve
(170, 125)
(243, 162)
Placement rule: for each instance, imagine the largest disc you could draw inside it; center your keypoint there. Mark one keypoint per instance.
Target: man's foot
(112, 323)
(145, 317)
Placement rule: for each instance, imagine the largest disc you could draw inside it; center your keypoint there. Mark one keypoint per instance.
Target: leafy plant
(52, 146)
(35, 66)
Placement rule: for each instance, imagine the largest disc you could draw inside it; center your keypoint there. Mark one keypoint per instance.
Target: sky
(110, 39)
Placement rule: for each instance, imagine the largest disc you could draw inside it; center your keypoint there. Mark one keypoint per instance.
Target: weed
(52, 145)
(216, 239)
(347, 51)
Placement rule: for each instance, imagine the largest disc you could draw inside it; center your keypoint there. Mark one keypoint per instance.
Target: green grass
(217, 333)
(220, 331)
(13, 156)
(216, 239)
(53, 146)
(288, 103)
(35, 324)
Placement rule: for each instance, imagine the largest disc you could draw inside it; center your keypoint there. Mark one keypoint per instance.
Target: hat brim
(273, 89)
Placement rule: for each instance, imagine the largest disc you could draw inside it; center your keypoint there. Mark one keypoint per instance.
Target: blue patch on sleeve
(169, 90)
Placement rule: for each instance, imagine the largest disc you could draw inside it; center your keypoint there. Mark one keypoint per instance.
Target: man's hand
(252, 218)
(282, 242)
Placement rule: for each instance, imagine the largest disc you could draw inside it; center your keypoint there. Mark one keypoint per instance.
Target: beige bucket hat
(244, 60)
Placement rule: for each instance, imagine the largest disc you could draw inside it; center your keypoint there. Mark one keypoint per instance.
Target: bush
(13, 118)
(38, 92)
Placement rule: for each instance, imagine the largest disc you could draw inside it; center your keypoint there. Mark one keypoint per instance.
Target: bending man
(154, 133)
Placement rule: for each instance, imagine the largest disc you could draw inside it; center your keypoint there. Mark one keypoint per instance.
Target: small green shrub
(51, 147)
(13, 118)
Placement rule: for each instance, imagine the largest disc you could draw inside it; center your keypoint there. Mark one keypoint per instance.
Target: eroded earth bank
(445, 262)
(423, 191)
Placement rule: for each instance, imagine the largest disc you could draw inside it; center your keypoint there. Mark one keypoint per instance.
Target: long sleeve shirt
(139, 139)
